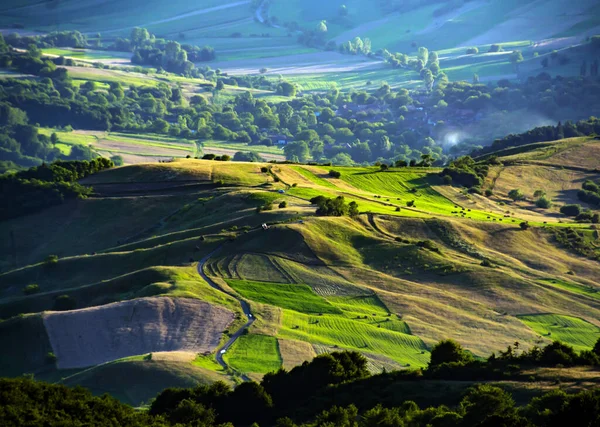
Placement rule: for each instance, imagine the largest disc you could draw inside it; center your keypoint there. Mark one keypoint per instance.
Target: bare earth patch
(92, 336)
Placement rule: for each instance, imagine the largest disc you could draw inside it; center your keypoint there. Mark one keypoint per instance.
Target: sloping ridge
(92, 336)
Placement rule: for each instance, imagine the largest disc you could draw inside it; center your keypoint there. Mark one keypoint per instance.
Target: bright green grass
(64, 148)
(207, 362)
(254, 353)
(70, 138)
(293, 297)
(574, 331)
(573, 287)
(346, 331)
(86, 54)
(399, 184)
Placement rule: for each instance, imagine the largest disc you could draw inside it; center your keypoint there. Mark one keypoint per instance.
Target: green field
(255, 354)
(299, 298)
(381, 335)
(570, 330)
(588, 291)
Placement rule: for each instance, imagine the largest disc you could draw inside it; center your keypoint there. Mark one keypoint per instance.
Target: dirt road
(245, 308)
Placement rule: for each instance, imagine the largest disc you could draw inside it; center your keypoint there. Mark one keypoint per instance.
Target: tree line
(43, 186)
(332, 390)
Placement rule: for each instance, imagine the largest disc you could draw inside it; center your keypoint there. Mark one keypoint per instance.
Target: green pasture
(588, 291)
(574, 331)
(254, 353)
(299, 298)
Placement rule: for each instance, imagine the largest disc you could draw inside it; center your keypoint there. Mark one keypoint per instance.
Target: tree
(353, 209)
(335, 174)
(287, 89)
(596, 349)
(64, 303)
(449, 351)
(485, 401)
(472, 51)
(298, 149)
(428, 79)
(322, 27)
(543, 203)
(570, 210)
(31, 289)
(516, 57)
(423, 55)
(539, 193)
(516, 194)
(283, 205)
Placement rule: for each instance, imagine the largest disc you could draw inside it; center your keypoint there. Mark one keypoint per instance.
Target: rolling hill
(423, 261)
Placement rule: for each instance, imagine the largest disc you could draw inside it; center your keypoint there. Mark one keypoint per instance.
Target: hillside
(423, 261)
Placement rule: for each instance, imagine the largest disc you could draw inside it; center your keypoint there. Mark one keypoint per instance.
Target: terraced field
(299, 298)
(570, 330)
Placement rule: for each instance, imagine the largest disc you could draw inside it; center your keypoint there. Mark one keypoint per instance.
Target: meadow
(255, 354)
(573, 331)
(299, 298)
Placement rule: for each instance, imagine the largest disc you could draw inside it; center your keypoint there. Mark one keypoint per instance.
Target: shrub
(51, 358)
(335, 174)
(31, 289)
(516, 194)
(283, 205)
(447, 180)
(489, 193)
(570, 210)
(543, 202)
(449, 351)
(524, 225)
(64, 303)
(208, 157)
(264, 169)
(51, 260)
(428, 244)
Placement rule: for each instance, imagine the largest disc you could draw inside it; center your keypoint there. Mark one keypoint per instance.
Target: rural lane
(245, 309)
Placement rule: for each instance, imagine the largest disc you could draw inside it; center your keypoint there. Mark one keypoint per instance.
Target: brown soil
(92, 336)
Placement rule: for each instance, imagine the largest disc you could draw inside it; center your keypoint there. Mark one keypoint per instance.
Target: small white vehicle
(223, 351)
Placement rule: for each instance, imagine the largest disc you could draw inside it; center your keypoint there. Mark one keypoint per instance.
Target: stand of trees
(46, 185)
(543, 134)
(386, 125)
(166, 54)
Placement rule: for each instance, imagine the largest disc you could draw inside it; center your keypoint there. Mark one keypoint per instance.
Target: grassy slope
(299, 298)
(254, 353)
(26, 346)
(135, 381)
(362, 268)
(570, 330)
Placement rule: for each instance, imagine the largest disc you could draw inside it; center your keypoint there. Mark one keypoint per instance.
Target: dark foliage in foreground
(333, 390)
